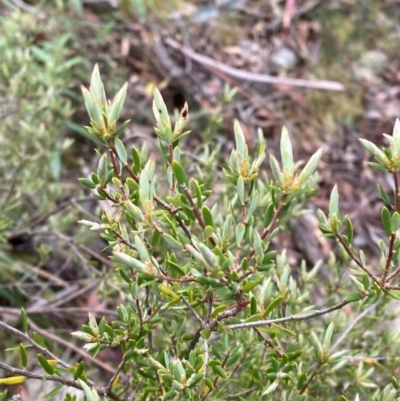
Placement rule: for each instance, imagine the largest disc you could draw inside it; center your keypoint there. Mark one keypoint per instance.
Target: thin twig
(393, 236)
(292, 318)
(44, 350)
(311, 378)
(116, 373)
(242, 393)
(69, 345)
(197, 212)
(58, 311)
(59, 379)
(268, 341)
(195, 314)
(350, 327)
(249, 76)
(356, 259)
(206, 357)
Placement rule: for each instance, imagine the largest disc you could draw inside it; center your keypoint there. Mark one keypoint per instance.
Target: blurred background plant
(49, 47)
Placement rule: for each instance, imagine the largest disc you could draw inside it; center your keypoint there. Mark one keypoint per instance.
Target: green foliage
(35, 76)
(210, 310)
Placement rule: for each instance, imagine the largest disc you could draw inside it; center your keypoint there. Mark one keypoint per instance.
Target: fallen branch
(250, 76)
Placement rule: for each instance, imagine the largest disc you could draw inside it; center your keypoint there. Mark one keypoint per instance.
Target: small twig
(242, 393)
(311, 378)
(195, 314)
(210, 298)
(350, 327)
(249, 76)
(113, 153)
(268, 341)
(357, 260)
(44, 350)
(288, 318)
(69, 345)
(206, 357)
(59, 379)
(115, 375)
(394, 274)
(385, 278)
(58, 311)
(389, 258)
(31, 375)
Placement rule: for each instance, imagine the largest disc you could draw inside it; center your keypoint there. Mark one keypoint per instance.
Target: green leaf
(350, 232)
(218, 310)
(240, 189)
(79, 370)
(207, 216)
(219, 370)
(168, 292)
(212, 282)
(328, 336)
(205, 333)
(315, 341)
(286, 150)
(118, 103)
(38, 339)
(129, 260)
(24, 320)
(268, 214)
(92, 108)
(378, 154)
(334, 202)
(172, 242)
(87, 183)
(386, 220)
(272, 306)
(196, 378)
(53, 392)
(354, 297)
(180, 173)
(45, 364)
(240, 140)
(253, 305)
(97, 88)
(121, 151)
(24, 356)
(239, 232)
(136, 160)
(209, 383)
(275, 168)
(91, 394)
(251, 285)
(384, 195)
(395, 222)
(310, 167)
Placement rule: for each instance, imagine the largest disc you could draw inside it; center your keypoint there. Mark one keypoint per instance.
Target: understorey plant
(209, 310)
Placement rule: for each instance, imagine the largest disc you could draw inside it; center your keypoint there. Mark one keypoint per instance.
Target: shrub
(209, 310)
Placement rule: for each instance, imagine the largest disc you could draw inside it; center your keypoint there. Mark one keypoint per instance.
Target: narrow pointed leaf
(286, 150)
(121, 150)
